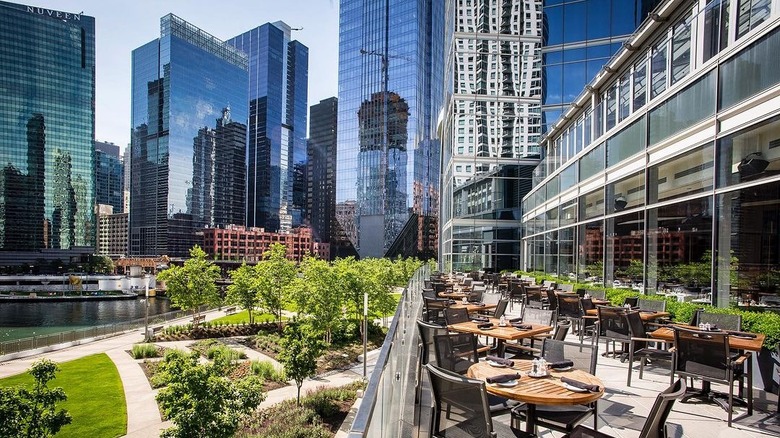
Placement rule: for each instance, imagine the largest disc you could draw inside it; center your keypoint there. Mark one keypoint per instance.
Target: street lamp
(365, 331)
(146, 305)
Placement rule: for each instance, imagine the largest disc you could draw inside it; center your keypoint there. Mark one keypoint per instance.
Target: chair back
(631, 301)
(561, 330)
(701, 354)
(721, 320)
(652, 305)
(439, 287)
(613, 323)
(598, 294)
(636, 328)
(566, 287)
(538, 316)
(655, 424)
(533, 296)
(584, 357)
(491, 298)
(500, 308)
(455, 315)
(695, 318)
(476, 294)
(456, 352)
(569, 306)
(429, 293)
(427, 284)
(434, 307)
(552, 299)
(587, 304)
(427, 332)
(460, 405)
(467, 281)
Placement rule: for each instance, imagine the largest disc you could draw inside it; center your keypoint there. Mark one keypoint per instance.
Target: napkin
(581, 385)
(503, 378)
(479, 319)
(485, 325)
(561, 364)
(476, 303)
(518, 319)
(501, 360)
(522, 326)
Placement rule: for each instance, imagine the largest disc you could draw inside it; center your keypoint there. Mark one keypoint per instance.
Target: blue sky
(122, 26)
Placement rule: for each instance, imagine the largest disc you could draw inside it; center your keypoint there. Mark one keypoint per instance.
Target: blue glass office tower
(278, 82)
(109, 176)
(47, 129)
(189, 94)
(579, 37)
(390, 93)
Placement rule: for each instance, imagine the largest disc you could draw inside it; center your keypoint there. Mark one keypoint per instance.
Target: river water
(21, 320)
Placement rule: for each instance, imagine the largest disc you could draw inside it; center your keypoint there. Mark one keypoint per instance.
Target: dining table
(646, 316)
(501, 334)
(737, 340)
(547, 390)
(472, 307)
(455, 295)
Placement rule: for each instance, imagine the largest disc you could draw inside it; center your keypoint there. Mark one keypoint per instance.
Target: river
(21, 320)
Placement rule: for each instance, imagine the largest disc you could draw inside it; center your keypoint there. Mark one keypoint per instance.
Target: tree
(202, 401)
(316, 293)
(301, 346)
(243, 291)
(33, 414)
(274, 274)
(193, 284)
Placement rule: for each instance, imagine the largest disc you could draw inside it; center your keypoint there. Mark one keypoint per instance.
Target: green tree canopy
(243, 291)
(274, 274)
(193, 284)
(316, 292)
(301, 346)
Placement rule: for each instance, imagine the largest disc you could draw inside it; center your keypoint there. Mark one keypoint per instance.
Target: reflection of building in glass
(181, 84)
(490, 130)
(321, 155)
(109, 175)
(677, 185)
(394, 49)
(47, 78)
(278, 76)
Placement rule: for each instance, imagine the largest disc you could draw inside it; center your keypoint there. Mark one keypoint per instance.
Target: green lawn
(243, 317)
(96, 399)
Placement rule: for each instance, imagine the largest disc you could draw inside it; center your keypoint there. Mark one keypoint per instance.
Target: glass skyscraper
(47, 129)
(321, 151)
(189, 94)
(109, 176)
(278, 82)
(390, 92)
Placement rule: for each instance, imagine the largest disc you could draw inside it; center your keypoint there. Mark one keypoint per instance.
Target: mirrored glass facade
(490, 129)
(276, 154)
(47, 129)
(390, 91)
(189, 100)
(109, 176)
(677, 180)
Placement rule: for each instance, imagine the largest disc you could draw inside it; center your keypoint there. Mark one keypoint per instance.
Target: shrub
(142, 351)
(267, 371)
(226, 352)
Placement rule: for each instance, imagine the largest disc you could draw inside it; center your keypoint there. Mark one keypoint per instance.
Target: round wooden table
(544, 391)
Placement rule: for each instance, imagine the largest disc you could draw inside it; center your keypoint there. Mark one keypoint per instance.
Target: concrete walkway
(143, 416)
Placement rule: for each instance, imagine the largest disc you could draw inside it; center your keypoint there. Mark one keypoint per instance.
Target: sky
(124, 25)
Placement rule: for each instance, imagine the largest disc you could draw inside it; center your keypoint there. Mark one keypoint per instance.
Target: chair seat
(470, 429)
(563, 418)
(654, 353)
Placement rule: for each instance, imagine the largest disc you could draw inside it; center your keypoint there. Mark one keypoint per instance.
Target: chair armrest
(742, 358)
(650, 340)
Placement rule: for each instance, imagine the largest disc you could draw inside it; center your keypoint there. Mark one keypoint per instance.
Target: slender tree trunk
(299, 384)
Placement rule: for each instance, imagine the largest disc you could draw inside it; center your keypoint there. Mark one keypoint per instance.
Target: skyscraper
(322, 168)
(47, 129)
(278, 81)
(183, 85)
(109, 175)
(390, 91)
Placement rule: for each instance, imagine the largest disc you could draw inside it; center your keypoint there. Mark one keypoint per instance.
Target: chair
(455, 316)
(429, 293)
(563, 418)
(500, 308)
(568, 288)
(613, 327)
(427, 332)
(638, 346)
(532, 316)
(570, 307)
(651, 305)
(516, 293)
(476, 294)
(538, 316)
(655, 424)
(721, 320)
(552, 299)
(534, 297)
(599, 294)
(490, 299)
(434, 309)
(561, 330)
(631, 301)
(461, 408)
(695, 318)
(456, 352)
(706, 355)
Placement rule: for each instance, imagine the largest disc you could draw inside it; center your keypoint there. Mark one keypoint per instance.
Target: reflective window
(751, 13)
(592, 204)
(611, 107)
(573, 22)
(553, 25)
(658, 69)
(626, 143)
(751, 71)
(683, 110)
(624, 97)
(624, 255)
(750, 154)
(566, 251)
(681, 49)
(592, 163)
(716, 25)
(683, 175)
(568, 177)
(626, 193)
(598, 19)
(590, 259)
(568, 214)
(640, 84)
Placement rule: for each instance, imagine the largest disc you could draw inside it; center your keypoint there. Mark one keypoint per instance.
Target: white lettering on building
(52, 13)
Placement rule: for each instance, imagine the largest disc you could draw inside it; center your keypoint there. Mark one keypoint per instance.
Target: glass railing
(390, 406)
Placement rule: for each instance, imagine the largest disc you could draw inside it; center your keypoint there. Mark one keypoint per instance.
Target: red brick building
(239, 243)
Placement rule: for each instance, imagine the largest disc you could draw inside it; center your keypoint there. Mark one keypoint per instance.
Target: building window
(658, 69)
(681, 49)
(684, 109)
(716, 27)
(751, 71)
(751, 154)
(683, 175)
(751, 13)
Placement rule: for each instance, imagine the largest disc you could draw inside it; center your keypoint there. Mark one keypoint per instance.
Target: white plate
(538, 376)
(496, 364)
(487, 328)
(508, 384)
(561, 369)
(574, 388)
